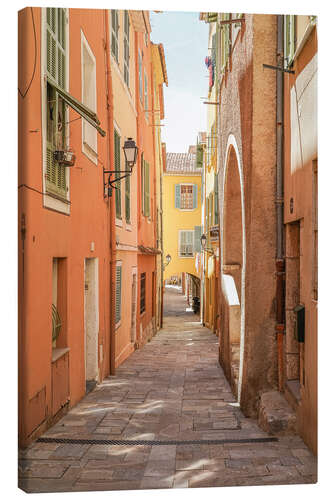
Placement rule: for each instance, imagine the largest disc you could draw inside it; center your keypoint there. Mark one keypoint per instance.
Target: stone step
(275, 414)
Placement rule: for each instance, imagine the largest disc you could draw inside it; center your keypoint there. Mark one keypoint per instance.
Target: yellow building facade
(181, 216)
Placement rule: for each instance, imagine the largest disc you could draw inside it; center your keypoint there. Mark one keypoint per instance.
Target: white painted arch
(232, 143)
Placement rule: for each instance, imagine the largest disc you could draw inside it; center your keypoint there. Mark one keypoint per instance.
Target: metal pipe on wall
(111, 200)
(280, 259)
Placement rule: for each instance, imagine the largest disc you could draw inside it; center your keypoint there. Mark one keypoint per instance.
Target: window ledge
(119, 222)
(129, 227)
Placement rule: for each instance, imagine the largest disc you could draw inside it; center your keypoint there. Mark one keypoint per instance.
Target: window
(118, 291)
(289, 39)
(142, 293)
(55, 175)
(186, 196)
(117, 169)
(140, 74)
(145, 187)
(114, 33)
(89, 133)
(146, 93)
(126, 48)
(186, 243)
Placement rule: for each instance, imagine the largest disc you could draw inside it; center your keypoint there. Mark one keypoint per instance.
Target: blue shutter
(197, 236)
(177, 195)
(195, 196)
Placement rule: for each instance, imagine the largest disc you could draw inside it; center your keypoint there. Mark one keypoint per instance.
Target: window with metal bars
(186, 196)
(117, 168)
(56, 179)
(142, 293)
(118, 291)
(126, 47)
(186, 243)
(114, 33)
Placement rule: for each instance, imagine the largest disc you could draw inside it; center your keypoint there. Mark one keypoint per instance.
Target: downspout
(280, 259)
(111, 200)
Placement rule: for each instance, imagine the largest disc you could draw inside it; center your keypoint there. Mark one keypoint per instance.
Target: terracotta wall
(299, 207)
(48, 234)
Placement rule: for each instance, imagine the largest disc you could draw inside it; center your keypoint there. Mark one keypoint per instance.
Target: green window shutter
(177, 196)
(140, 74)
(197, 236)
(195, 196)
(147, 189)
(142, 184)
(114, 33)
(128, 198)
(56, 113)
(199, 156)
(118, 293)
(126, 47)
(117, 169)
(216, 200)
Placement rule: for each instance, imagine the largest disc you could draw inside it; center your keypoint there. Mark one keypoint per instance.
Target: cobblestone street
(174, 390)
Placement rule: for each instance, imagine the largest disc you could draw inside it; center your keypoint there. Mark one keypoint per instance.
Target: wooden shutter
(140, 74)
(118, 293)
(142, 184)
(147, 189)
(128, 198)
(177, 196)
(216, 200)
(126, 47)
(197, 236)
(114, 33)
(195, 196)
(56, 128)
(117, 168)
(182, 249)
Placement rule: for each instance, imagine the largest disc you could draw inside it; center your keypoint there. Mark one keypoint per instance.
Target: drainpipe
(111, 201)
(280, 260)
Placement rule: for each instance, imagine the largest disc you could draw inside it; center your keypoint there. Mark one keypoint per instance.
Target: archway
(233, 266)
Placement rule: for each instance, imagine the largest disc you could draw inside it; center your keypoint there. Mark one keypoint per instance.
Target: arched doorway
(233, 265)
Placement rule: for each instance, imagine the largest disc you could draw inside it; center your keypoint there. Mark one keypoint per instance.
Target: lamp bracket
(108, 183)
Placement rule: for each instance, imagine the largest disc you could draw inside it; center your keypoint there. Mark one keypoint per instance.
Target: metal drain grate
(142, 442)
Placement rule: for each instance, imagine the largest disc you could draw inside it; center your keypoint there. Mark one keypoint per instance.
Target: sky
(185, 41)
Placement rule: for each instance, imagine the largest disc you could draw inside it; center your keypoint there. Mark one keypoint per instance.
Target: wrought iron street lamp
(130, 152)
(168, 260)
(203, 240)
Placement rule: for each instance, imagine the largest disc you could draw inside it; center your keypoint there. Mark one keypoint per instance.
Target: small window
(142, 293)
(118, 291)
(186, 243)
(114, 33)
(186, 196)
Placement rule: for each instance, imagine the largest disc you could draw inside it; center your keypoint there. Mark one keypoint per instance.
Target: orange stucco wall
(84, 233)
(299, 187)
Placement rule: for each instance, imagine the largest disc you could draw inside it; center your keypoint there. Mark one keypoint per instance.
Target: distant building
(181, 220)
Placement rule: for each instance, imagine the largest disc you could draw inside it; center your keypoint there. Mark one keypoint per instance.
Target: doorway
(91, 322)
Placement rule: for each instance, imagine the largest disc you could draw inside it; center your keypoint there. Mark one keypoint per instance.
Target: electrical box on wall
(300, 323)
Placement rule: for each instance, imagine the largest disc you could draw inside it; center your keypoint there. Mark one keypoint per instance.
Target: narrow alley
(167, 419)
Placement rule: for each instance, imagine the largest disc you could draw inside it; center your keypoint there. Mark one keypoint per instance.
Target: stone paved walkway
(172, 389)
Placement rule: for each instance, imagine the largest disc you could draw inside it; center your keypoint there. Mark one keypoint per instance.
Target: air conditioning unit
(64, 157)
